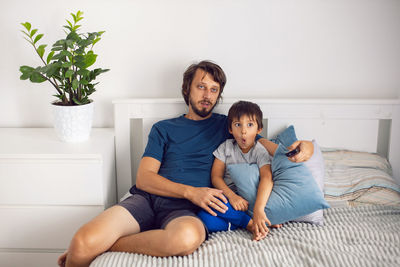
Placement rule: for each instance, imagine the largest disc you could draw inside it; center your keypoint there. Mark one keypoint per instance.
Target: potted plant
(66, 68)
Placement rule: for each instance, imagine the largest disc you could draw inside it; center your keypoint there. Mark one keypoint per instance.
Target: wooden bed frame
(354, 124)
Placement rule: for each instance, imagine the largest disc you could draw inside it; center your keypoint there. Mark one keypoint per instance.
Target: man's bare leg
(181, 236)
(98, 235)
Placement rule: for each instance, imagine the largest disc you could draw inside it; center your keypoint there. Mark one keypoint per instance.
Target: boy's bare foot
(260, 236)
(276, 226)
(62, 259)
(250, 227)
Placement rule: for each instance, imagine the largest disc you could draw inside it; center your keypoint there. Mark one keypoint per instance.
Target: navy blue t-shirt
(185, 147)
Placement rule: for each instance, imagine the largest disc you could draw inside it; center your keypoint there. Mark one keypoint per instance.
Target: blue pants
(230, 220)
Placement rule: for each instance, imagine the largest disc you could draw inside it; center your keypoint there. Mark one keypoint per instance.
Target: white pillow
(317, 168)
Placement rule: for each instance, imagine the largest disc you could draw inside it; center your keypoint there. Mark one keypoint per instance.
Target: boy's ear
(259, 130)
(230, 130)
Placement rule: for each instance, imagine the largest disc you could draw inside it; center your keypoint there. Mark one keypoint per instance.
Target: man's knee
(82, 246)
(188, 237)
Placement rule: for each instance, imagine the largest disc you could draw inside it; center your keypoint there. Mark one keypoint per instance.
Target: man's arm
(306, 149)
(270, 146)
(149, 180)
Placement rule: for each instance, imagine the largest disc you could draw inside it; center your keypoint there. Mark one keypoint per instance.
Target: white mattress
(360, 236)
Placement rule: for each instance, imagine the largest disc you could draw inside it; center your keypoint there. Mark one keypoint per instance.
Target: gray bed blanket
(360, 236)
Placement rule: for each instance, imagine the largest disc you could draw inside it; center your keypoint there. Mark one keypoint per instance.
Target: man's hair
(242, 108)
(209, 67)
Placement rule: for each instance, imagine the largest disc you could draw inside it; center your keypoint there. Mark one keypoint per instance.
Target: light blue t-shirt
(229, 152)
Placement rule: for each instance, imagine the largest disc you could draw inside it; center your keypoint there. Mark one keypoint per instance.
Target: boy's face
(244, 130)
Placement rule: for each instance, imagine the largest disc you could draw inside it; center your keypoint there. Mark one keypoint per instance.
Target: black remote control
(293, 152)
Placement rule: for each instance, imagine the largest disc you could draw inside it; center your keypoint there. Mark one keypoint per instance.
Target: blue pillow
(315, 165)
(286, 137)
(294, 194)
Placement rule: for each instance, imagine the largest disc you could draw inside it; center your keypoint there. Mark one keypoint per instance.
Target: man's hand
(238, 203)
(306, 151)
(207, 198)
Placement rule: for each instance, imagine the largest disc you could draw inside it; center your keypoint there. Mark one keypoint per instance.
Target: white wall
(293, 48)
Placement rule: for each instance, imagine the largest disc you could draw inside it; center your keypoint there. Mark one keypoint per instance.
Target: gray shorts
(155, 212)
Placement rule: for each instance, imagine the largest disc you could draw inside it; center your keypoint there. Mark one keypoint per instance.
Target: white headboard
(355, 124)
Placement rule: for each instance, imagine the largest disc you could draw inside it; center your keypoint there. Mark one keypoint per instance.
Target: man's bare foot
(62, 259)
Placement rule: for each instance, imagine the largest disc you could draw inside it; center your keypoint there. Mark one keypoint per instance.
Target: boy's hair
(241, 108)
(209, 67)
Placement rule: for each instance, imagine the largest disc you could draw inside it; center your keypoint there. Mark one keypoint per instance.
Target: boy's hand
(238, 203)
(260, 220)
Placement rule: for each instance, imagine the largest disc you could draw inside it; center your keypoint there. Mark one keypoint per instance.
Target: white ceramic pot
(73, 123)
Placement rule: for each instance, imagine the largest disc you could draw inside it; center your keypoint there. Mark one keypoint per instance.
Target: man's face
(203, 95)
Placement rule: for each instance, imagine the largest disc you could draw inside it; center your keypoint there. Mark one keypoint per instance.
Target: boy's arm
(263, 193)
(217, 174)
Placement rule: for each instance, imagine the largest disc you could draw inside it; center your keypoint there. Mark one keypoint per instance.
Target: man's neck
(193, 116)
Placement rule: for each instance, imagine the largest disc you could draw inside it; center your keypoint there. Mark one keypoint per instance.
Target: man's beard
(203, 112)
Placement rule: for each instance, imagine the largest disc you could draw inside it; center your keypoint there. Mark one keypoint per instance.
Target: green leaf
(66, 53)
(76, 27)
(76, 101)
(73, 15)
(25, 76)
(68, 27)
(69, 23)
(75, 84)
(25, 69)
(70, 44)
(96, 40)
(41, 50)
(67, 64)
(53, 69)
(69, 73)
(83, 82)
(37, 38)
(79, 15)
(27, 26)
(57, 48)
(90, 59)
(83, 72)
(49, 57)
(59, 96)
(73, 36)
(59, 43)
(33, 32)
(36, 77)
(26, 72)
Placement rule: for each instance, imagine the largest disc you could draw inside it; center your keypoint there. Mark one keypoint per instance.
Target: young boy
(245, 122)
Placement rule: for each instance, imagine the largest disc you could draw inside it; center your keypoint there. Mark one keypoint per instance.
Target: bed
(360, 145)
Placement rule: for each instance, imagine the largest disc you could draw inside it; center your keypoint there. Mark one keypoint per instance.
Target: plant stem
(54, 83)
